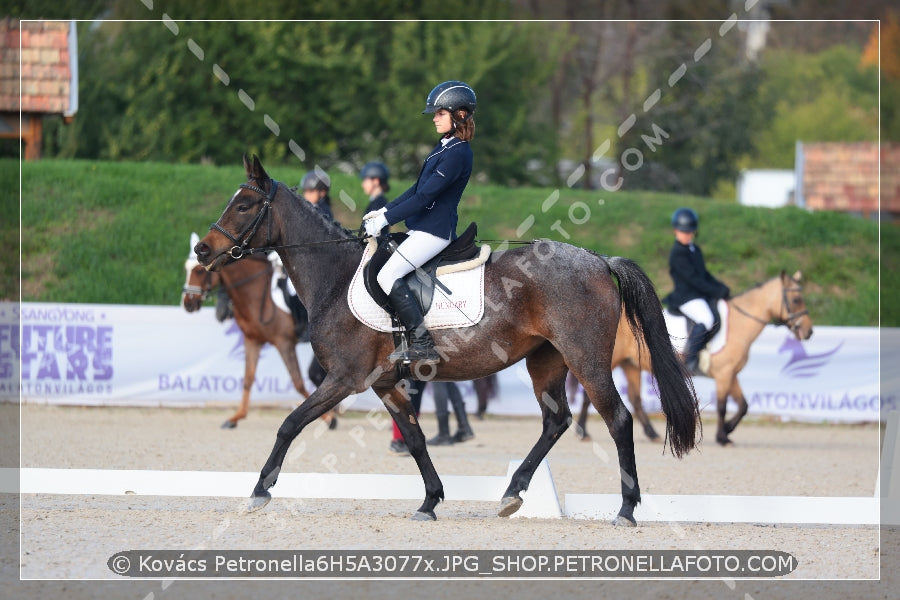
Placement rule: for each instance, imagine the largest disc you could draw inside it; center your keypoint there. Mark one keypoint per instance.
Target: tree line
(559, 102)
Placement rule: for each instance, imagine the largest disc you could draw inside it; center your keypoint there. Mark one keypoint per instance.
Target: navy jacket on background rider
(692, 280)
(431, 204)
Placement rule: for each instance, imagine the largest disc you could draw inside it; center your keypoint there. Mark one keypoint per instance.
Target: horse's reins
(240, 241)
(239, 250)
(784, 306)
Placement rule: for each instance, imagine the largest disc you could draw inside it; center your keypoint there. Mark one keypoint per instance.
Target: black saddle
(461, 249)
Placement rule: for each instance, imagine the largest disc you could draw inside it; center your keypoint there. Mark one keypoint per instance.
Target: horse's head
(245, 222)
(794, 313)
(198, 281)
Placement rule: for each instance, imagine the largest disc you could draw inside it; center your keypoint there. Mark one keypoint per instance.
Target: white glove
(374, 213)
(375, 224)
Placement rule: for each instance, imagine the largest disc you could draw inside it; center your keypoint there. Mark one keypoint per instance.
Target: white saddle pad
(463, 308)
(677, 327)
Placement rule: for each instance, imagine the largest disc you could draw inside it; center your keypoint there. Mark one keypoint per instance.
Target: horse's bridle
(243, 238)
(240, 241)
(201, 290)
(791, 320)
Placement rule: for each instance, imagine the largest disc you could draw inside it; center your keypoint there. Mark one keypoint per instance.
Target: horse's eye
(798, 300)
(242, 208)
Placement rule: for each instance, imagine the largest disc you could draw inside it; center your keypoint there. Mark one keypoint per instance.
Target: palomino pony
(542, 296)
(248, 284)
(778, 300)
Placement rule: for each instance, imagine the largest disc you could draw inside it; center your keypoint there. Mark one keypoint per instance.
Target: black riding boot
(695, 343)
(443, 436)
(421, 347)
(465, 431)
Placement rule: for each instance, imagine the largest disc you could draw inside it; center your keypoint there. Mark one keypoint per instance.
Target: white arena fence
(125, 355)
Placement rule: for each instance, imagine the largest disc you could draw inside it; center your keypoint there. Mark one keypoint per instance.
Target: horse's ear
(259, 174)
(247, 167)
(798, 277)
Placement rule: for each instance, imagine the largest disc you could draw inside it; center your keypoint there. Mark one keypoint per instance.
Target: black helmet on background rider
(376, 170)
(685, 219)
(451, 95)
(315, 180)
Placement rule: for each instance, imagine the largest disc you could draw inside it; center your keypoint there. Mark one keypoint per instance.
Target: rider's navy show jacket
(431, 204)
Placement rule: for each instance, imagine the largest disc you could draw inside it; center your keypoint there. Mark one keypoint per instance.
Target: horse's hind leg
(548, 375)
(398, 403)
(326, 397)
(600, 388)
(252, 350)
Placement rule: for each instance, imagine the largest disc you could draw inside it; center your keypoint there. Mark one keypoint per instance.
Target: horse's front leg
(289, 356)
(723, 386)
(326, 397)
(738, 394)
(252, 349)
(397, 401)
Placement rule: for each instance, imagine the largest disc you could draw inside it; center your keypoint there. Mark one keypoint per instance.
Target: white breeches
(414, 252)
(698, 311)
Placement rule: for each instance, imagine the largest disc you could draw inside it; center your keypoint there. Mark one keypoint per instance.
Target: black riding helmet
(451, 95)
(685, 219)
(375, 170)
(315, 180)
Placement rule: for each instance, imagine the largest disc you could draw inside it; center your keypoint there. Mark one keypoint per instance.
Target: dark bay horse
(248, 284)
(555, 305)
(778, 300)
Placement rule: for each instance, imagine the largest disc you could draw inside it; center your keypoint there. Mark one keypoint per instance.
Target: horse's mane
(330, 224)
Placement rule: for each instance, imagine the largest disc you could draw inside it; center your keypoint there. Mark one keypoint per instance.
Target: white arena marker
(889, 477)
(795, 510)
(540, 499)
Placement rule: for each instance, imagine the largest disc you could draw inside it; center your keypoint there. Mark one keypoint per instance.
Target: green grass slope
(118, 232)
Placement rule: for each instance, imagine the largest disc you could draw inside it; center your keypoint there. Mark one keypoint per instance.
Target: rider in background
(374, 180)
(696, 290)
(315, 186)
(429, 208)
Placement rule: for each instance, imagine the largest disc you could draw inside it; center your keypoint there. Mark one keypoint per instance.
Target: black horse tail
(676, 390)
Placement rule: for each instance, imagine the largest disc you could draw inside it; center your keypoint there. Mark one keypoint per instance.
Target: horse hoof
(332, 424)
(509, 505)
(423, 516)
(725, 442)
(258, 502)
(229, 425)
(621, 521)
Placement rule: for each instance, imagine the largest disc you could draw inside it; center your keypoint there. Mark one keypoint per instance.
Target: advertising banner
(120, 355)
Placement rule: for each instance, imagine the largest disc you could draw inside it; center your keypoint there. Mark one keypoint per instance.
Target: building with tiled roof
(844, 176)
(38, 77)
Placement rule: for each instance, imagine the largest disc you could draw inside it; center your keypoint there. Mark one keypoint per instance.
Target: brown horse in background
(248, 284)
(778, 300)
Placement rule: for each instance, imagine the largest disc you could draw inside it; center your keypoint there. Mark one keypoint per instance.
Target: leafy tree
(708, 115)
(815, 97)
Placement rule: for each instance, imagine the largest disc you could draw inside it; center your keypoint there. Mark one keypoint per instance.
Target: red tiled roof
(844, 176)
(46, 70)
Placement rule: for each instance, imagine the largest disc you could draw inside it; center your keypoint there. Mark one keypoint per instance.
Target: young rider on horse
(695, 288)
(430, 210)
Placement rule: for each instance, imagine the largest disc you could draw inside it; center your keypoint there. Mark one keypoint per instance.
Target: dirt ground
(68, 537)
